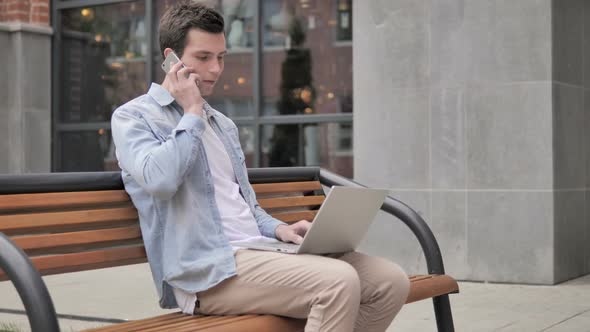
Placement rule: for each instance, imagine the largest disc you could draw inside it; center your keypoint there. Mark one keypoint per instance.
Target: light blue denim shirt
(166, 173)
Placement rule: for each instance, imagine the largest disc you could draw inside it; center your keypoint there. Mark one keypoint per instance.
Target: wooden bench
(67, 222)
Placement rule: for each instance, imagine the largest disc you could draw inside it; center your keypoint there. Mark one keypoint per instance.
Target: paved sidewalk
(92, 298)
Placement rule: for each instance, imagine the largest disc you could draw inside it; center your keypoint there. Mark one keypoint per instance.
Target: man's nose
(215, 67)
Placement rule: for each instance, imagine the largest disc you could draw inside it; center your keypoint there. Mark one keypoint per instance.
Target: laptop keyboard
(282, 245)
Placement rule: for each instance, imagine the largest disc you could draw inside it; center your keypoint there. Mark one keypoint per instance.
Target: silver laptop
(339, 226)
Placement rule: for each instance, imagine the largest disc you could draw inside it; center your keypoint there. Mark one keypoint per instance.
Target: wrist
(196, 109)
(279, 231)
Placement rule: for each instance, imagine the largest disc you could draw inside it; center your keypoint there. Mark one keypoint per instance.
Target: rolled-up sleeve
(266, 223)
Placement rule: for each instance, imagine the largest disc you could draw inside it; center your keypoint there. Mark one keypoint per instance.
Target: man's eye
(203, 58)
(220, 58)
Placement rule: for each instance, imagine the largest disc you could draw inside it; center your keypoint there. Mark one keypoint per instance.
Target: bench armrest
(408, 216)
(29, 285)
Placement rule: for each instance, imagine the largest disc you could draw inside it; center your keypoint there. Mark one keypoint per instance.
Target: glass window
(305, 69)
(343, 21)
(102, 60)
(103, 53)
(87, 151)
(328, 145)
(279, 146)
(305, 72)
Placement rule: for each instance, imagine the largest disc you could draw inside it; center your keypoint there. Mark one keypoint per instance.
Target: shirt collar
(164, 98)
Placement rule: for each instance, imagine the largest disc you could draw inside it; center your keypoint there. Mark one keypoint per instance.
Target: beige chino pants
(340, 293)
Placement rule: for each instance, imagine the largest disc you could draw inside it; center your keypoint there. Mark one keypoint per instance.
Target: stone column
(473, 113)
(25, 96)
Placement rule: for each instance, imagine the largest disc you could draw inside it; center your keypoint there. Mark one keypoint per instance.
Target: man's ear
(167, 51)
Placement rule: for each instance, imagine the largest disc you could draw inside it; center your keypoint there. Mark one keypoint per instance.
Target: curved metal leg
(29, 285)
(442, 311)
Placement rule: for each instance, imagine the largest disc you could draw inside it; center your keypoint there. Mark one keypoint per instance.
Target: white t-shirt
(238, 221)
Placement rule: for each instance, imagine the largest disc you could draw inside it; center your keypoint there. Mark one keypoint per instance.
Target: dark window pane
(103, 51)
(307, 68)
(280, 146)
(328, 145)
(344, 20)
(335, 147)
(86, 151)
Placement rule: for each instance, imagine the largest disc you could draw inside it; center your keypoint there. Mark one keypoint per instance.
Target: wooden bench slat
(44, 242)
(89, 260)
(262, 323)
(50, 221)
(132, 325)
(83, 260)
(196, 326)
(28, 202)
(202, 324)
(193, 322)
(179, 322)
(421, 277)
(290, 217)
(287, 202)
(435, 285)
(286, 187)
(143, 325)
(169, 323)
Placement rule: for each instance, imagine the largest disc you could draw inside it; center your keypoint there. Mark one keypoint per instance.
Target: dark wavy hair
(183, 16)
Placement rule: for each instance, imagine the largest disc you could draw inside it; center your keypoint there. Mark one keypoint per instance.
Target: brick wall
(25, 11)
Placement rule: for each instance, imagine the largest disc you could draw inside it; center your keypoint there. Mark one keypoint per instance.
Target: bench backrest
(85, 230)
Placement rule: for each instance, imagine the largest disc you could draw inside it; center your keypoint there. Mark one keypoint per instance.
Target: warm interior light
(306, 95)
(241, 80)
(308, 110)
(330, 95)
(87, 13)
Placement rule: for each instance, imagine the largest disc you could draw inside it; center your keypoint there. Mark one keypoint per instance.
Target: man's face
(204, 52)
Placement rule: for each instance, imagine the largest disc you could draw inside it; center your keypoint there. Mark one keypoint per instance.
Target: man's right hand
(292, 233)
(183, 85)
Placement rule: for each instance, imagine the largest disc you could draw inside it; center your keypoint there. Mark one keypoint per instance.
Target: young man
(184, 169)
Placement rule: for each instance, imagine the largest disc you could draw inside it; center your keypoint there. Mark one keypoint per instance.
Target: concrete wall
(25, 102)
(571, 137)
(457, 111)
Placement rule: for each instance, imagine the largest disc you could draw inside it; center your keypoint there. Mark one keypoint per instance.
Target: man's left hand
(294, 232)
